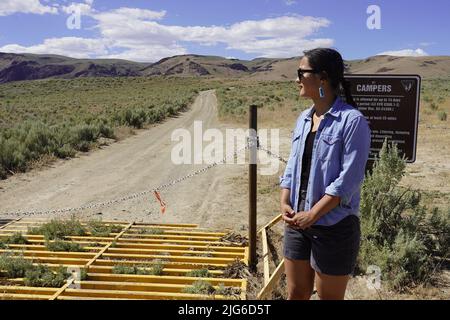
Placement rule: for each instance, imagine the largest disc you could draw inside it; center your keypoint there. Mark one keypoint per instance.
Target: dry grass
(235, 239)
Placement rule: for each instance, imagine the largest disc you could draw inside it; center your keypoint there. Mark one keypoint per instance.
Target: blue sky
(150, 30)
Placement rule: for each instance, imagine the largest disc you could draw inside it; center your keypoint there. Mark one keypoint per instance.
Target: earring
(321, 92)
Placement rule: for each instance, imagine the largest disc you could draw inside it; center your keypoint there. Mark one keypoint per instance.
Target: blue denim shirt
(340, 152)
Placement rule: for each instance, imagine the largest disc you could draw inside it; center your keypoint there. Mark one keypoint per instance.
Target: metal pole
(252, 186)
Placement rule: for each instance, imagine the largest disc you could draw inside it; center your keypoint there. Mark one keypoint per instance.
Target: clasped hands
(300, 220)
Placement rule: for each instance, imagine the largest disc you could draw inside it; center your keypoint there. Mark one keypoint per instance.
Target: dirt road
(136, 164)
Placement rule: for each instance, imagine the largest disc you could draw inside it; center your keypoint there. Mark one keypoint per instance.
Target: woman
(320, 188)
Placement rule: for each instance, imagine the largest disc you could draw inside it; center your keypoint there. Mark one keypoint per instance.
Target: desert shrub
(16, 238)
(124, 269)
(11, 154)
(31, 140)
(3, 172)
(151, 231)
(60, 245)
(99, 229)
(399, 234)
(442, 115)
(170, 110)
(433, 106)
(156, 268)
(227, 291)
(66, 151)
(199, 273)
(106, 130)
(63, 141)
(179, 107)
(14, 266)
(39, 139)
(130, 269)
(27, 142)
(134, 118)
(156, 115)
(221, 289)
(83, 274)
(58, 229)
(427, 98)
(83, 135)
(200, 287)
(96, 244)
(43, 276)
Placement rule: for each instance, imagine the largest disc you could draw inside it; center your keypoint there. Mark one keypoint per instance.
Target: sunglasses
(301, 72)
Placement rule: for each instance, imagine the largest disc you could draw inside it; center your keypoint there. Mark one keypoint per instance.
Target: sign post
(252, 186)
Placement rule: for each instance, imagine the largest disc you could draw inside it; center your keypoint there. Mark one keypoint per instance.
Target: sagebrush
(405, 239)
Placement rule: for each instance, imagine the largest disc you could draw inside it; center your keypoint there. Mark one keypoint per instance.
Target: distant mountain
(195, 65)
(428, 67)
(15, 67)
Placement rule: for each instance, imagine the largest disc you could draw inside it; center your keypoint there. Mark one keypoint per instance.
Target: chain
(251, 142)
(270, 153)
(128, 197)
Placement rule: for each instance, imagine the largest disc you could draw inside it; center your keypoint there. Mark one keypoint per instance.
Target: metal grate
(178, 248)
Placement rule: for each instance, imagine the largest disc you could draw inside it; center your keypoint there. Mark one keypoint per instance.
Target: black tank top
(306, 160)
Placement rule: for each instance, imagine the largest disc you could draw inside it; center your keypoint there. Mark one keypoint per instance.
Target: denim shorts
(331, 250)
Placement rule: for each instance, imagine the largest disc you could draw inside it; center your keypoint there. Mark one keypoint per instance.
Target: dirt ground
(216, 199)
(431, 171)
(138, 163)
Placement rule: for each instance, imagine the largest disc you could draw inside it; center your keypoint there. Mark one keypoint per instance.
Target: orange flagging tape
(161, 202)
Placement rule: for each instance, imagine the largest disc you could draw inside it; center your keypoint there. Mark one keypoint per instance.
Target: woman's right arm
(285, 196)
(286, 179)
(285, 203)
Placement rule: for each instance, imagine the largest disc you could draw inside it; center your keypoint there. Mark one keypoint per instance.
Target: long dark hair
(330, 61)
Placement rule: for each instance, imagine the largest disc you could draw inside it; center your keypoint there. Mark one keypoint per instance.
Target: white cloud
(405, 53)
(142, 54)
(427, 44)
(283, 48)
(276, 37)
(139, 34)
(290, 2)
(8, 7)
(82, 8)
(67, 46)
(137, 14)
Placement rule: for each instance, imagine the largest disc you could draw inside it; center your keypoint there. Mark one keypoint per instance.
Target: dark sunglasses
(301, 72)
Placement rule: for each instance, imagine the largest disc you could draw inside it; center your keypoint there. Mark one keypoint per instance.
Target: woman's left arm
(355, 153)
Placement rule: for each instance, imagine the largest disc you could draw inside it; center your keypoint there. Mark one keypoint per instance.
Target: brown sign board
(390, 103)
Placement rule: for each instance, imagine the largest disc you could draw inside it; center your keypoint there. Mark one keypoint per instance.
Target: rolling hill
(16, 67)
